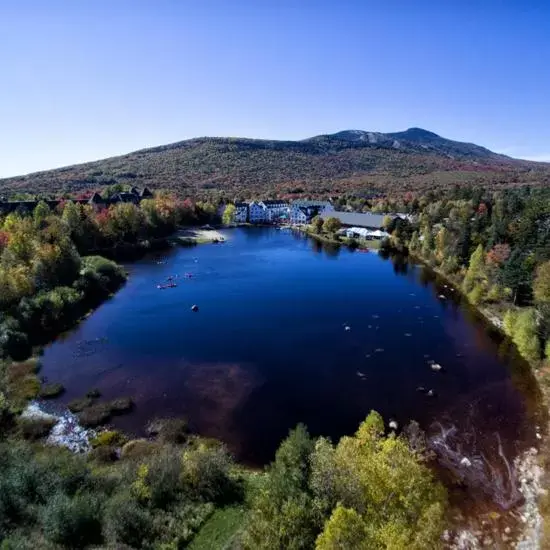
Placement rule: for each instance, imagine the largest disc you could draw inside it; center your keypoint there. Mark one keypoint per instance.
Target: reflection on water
(291, 330)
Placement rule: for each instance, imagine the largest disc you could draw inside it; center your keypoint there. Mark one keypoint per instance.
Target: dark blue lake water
(269, 348)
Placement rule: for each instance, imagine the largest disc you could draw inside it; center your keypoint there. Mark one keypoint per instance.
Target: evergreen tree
(516, 275)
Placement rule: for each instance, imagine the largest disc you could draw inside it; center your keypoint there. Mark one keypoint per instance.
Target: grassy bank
(220, 530)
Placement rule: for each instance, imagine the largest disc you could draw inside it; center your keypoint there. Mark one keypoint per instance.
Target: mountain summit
(414, 140)
(349, 161)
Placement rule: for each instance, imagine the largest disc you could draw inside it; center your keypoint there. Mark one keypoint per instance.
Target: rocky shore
(66, 432)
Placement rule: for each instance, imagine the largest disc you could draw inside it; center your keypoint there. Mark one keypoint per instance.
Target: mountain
(353, 161)
(416, 140)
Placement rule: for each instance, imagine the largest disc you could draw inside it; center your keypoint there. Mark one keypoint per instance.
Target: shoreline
(532, 476)
(527, 462)
(125, 252)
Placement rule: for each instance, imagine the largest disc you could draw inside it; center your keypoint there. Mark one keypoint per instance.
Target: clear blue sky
(86, 79)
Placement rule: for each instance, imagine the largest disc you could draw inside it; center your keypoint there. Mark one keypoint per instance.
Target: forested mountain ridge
(349, 161)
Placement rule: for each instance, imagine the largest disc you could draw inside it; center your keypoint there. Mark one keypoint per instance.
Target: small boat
(168, 285)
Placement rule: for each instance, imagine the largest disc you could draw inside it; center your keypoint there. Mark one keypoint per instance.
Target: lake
(290, 331)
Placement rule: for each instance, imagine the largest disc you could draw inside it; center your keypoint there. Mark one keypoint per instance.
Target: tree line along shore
(372, 490)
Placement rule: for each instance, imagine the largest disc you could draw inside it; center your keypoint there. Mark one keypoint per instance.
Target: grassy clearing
(220, 531)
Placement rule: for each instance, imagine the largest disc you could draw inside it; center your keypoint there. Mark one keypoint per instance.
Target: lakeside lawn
(220, 530)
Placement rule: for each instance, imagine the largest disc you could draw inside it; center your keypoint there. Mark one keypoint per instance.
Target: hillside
(349, 161)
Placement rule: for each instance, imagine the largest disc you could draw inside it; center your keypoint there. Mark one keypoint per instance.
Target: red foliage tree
(103, 217)
(4, 239)
(498, 254)
(188, 203)
(84, 195)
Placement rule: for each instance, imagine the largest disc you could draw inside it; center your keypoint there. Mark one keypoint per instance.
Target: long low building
(364, 233)
(354, 219)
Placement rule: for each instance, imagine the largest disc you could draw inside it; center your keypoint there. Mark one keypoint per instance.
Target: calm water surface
(269, 348)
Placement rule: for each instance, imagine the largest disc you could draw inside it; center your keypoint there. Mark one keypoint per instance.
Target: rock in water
(393, 425)
(436, 367)
(195, 307)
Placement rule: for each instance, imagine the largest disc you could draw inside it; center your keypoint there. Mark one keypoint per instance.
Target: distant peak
(419, 132)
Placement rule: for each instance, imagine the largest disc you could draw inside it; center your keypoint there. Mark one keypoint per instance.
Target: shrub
(121, 405)
(75, 522)
(108, 439)
(14, 342)
(164, 478)
(62, 471)
(205, 470)
(49, 311)
(127, 522)
(78, 405)
(522, 327)
(494, 294)
(509, 322)
(476, 295)
(6, 416)
(35, 428)
(138, 449)
(169, 430)
(49, 391)
(96, 415)
(103, 455)
(99, 276)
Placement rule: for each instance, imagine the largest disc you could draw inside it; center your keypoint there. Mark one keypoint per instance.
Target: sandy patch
(202, 235)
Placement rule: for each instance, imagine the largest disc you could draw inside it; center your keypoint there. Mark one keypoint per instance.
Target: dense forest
(356, 162)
